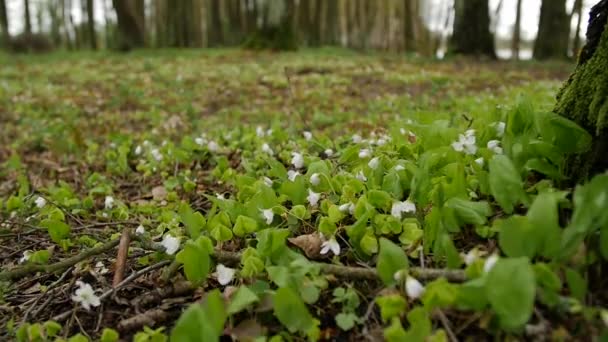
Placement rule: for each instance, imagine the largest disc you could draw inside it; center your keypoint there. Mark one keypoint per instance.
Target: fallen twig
(20, 272)
(147, 318)
(121, 257)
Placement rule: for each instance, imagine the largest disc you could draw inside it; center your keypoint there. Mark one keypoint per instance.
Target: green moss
(584, 99)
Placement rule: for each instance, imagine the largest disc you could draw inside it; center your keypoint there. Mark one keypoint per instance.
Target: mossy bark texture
(584, 97)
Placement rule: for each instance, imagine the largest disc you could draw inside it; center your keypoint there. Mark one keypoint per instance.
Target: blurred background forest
(494, 28)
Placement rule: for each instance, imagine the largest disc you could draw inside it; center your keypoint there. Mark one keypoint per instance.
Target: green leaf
(517, 237)
(40, 257)
(109, 335)
(291, 311)
(576, 283)
(420, 325)
(346, 321)
(543, 217)
(193, 221)
(391, 306)
(243, 298)
(57, 230)
(380, 199)
(510, 289)
(202, 322)
(395, 331)
(439, 293)
(195, 258)
(505, 183)
(390, 260)
(221, 233)
(244, 226)
(52, 328)
(469, 212)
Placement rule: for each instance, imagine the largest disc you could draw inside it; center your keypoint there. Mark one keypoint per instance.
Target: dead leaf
(310, 244)
(159, 193)
(247, 330)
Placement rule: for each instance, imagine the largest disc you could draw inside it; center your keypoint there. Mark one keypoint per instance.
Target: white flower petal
(360, 176)
(307, 135)
(297, 160)
(40, 202)
(364, 153)
(140, 230)
(268, 215)
(224, 274)
(109, 202)
(85, 295)
(413, 288)
(356, 138)
(170, 243)
(313, 198)
(374, 163)
(267, 181)
(315, 179)
(213, 146)
(291, 175)
(329, 152)
(490, 262)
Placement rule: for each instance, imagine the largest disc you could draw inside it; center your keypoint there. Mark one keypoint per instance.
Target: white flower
(490, 262)
(171, 244)
(381, 142)
(347, 207)
(330, 245)
(213, 146)
(267, 181)
(402, 207)
(146, 143)
(465, 143)
(266, 149)
(494, 146)
(500, 128)
(101, 268)
(200, 141)
(356, 138)
(469, 132)
(40, 202)
(398, 276)
(140, 230)
(297, 160)
(307, 135)
(329, 152)
(291, 175)
(399, 167)
(364, 153)
(413, 288)
(138, 150)
(402, 130)
(26, 256)
(220, 196)
(85, 295)
(156, 154)
(224, 274)
(471, 256)
(360, 176)
(313, 198)
(479, 161)
(268, 215)
(374, 163)
(269, 131)
(259, 131)
(109, 202)
(315, 179)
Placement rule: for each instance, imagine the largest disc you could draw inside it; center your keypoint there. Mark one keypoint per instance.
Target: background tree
(576, 41)
(472, 34)
(276, 28)
(516, 32)
(27, 17)
(129, 14)
(553, 30)
(584, 97)
(91, 24)
(4, 33)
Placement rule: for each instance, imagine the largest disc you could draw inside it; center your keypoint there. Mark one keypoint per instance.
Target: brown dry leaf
(247, 330)
(159, 193)
(310, 244)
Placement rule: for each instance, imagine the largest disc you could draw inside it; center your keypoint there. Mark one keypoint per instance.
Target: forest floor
(152, 129)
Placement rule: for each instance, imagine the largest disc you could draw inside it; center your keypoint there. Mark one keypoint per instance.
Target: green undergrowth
(299, 196)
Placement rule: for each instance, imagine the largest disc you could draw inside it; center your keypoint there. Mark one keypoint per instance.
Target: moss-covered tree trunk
(584, 97)
(553, 30)
(472, 34)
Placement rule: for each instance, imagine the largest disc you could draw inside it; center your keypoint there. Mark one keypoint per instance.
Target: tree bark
(91, 24)
(472, 34)
(515, 42)
(130, 23)
(584, 97)
(553, 30)
(5, 37)
(28, 18)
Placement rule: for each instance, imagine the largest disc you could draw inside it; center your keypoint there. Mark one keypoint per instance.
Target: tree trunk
(28, 19)
(584, 97)
(277, 29)
(576, 43)
(91, 24)
(553, 30)
(130, 23)
(516, 32)
(472, 34)
(5, 38)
